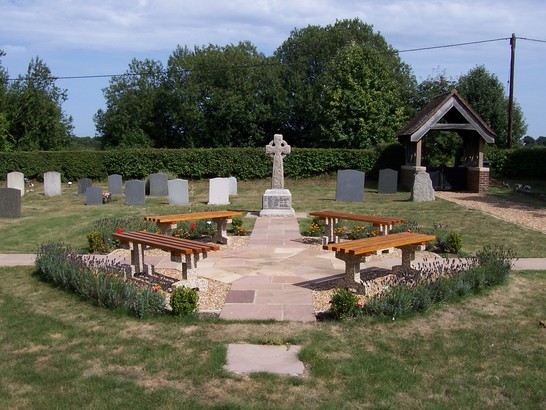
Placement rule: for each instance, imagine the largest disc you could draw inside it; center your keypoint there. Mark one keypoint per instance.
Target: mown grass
(58, 351)
(67, 219)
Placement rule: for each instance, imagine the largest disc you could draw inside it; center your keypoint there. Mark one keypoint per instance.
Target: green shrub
(343, 303)
(237, 227)
(454, 243)
(100, 281)
(439, 283)
(184, 301)
(100, 239)
(315, 228)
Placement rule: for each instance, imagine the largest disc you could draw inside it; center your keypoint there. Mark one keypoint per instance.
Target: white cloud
(84, 36)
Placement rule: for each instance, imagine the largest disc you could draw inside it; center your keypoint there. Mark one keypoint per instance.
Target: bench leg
(221, 230)
(329, 226)
(189, 270)
(166, 228)
(137, 258)
(408, 255)
(352, 265)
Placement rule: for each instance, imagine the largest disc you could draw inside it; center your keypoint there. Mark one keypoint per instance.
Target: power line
(410, 50)
(454, 45)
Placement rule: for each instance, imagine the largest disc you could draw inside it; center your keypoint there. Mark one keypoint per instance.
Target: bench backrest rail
(192, 216)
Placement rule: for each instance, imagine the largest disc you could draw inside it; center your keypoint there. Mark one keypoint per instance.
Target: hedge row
(522, 162)
(242, 163)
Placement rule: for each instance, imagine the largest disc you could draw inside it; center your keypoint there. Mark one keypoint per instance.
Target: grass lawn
(67, 219)
(58, 351)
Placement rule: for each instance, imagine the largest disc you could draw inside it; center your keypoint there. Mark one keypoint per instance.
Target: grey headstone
(422, 190)
(388, 181)
(218, 191)
(349, 185)
(159, 185)
(278, 149)
(135, 191)
(178, 192)
(232, 186)
(10, 203)
(16, 180)
(52, 183)
(115, 184)
(83, 184)
(93, 196)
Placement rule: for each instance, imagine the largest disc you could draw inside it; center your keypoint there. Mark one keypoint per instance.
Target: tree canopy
(31, 115)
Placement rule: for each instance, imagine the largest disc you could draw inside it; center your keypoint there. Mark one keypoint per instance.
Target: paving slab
(248, 358)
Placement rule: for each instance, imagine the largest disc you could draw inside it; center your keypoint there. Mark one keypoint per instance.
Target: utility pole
(511, 95)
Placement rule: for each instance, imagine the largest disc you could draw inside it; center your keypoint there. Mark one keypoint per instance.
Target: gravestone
(10, 203)
(178, 192)
(16, 180)
(422, 190)
(52, 183)
(115, 184)
(218, 191)
(350, 185)
(388, 181)
(232, 186)
(277, 201)
(93, 196)
(159, 184)
(83, 184)
(135, 192)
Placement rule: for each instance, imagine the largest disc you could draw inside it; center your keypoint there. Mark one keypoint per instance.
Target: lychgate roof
(447, 112)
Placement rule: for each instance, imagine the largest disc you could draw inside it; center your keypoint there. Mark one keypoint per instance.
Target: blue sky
(82, 37)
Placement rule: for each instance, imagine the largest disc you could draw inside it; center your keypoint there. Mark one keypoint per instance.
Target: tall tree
(308, 59)
(362, 106)
(223, 96)
(135, 108)
(34, 112)
(487, 97)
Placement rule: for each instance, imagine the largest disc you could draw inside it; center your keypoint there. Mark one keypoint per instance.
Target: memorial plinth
(277, 202)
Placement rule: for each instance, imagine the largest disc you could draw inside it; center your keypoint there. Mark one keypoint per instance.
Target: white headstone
(52, 183)
(232, 186)
(16, 180)
(218, 191)
(178, 192)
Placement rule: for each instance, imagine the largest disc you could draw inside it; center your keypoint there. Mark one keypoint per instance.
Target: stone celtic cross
(278, 149)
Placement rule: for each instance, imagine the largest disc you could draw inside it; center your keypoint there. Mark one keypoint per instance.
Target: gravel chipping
(509, 211)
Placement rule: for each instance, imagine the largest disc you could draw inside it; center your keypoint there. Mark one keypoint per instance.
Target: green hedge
(520, 162)
(242, 163)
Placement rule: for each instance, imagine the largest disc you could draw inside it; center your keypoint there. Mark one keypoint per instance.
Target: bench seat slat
(368, 245)
(167, 243)
(192, 216)
(374, 219)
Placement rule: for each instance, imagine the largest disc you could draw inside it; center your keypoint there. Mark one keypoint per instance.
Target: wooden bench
(167, 223)
(330, 218)
(352, 252)
(185, 251)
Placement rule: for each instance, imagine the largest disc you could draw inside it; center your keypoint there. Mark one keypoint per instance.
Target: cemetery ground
(60, 351)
